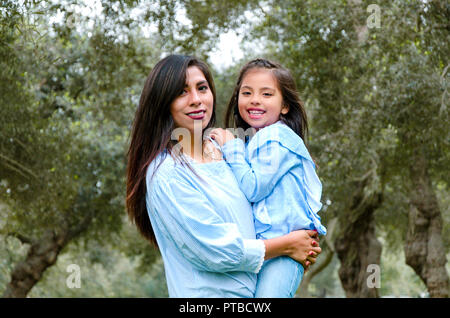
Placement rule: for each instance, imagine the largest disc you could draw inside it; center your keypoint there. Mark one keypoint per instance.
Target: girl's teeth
(256, 112)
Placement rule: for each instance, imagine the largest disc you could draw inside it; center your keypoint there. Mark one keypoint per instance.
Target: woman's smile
(198, 114)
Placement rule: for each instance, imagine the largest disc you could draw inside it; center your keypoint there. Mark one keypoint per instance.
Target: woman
(187, 201)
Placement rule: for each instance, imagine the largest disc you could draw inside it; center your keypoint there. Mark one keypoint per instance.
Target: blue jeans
(279, 277)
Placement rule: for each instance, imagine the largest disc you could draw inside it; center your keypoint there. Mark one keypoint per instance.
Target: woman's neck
(192, 147)
(192, 143)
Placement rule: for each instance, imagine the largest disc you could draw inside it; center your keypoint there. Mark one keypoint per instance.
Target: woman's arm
(187, 219)
(302, 246)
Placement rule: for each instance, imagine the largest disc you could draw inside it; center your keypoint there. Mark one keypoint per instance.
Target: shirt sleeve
(191, 223)
(266, 165)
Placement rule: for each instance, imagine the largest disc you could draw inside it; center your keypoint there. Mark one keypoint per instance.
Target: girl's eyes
(264, 94)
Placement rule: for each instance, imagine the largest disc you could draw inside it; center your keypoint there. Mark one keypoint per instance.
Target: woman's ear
(284, 110)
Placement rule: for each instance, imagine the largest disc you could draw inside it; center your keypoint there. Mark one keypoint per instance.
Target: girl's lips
(197, 115)
(255, 113)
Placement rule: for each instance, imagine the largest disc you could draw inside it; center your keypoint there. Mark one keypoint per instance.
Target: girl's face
(260, 101)
(196, 102)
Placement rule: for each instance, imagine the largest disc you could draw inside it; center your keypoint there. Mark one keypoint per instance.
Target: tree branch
(11, 161)
(24, 239)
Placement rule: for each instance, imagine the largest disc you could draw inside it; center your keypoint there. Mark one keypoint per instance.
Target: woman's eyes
(202, 88)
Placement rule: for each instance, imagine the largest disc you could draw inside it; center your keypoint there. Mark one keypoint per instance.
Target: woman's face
(196, 102)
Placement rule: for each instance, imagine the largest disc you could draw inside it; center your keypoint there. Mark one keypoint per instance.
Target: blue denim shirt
(204, 229)
(276, 172)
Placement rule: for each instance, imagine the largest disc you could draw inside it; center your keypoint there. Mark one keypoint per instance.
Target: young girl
(274, 169)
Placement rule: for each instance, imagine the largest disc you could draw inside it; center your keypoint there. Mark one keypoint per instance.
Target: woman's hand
(221, 136)
(305, 247)
(302, 246)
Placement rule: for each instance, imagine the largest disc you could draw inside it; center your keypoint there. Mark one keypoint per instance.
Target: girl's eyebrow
(261, 89)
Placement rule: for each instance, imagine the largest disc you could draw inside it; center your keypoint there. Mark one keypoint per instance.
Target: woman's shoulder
(161, 168)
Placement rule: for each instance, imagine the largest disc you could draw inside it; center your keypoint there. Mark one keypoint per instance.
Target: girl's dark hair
(152, 128)
(295, 118)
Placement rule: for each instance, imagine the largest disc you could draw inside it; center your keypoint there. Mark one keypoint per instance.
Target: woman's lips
(197, 115)
(254, 113)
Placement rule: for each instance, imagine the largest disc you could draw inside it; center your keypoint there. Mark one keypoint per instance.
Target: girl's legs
(279, 278)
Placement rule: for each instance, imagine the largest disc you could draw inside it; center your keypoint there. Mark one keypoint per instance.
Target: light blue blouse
(204, 229)
(277, 173)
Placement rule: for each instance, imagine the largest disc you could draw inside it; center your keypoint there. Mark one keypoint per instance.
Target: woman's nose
(195, 98)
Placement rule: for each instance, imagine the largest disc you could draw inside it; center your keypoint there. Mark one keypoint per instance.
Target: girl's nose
(255, 99)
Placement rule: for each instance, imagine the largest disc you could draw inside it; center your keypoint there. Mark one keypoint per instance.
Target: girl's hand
(221, 136)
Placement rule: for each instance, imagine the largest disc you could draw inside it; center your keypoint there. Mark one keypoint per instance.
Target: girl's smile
(255, 113)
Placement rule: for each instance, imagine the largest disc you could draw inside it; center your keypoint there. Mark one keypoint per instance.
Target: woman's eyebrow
(197, 84)
(202, 82)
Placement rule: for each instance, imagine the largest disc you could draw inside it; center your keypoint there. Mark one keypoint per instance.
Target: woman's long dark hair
(295, 118)
(152, 128)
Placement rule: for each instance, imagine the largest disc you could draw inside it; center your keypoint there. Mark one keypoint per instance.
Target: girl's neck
(258, 129)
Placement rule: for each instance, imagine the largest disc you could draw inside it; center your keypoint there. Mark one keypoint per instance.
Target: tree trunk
(322, 263)
(41, 255)
(424, 248)
(357, 246)
(323, 260)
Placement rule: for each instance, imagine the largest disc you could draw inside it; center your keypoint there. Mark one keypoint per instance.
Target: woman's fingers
(313, 234)
(221, 136)
(307, 265)
(311, 259)
(216, 134)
